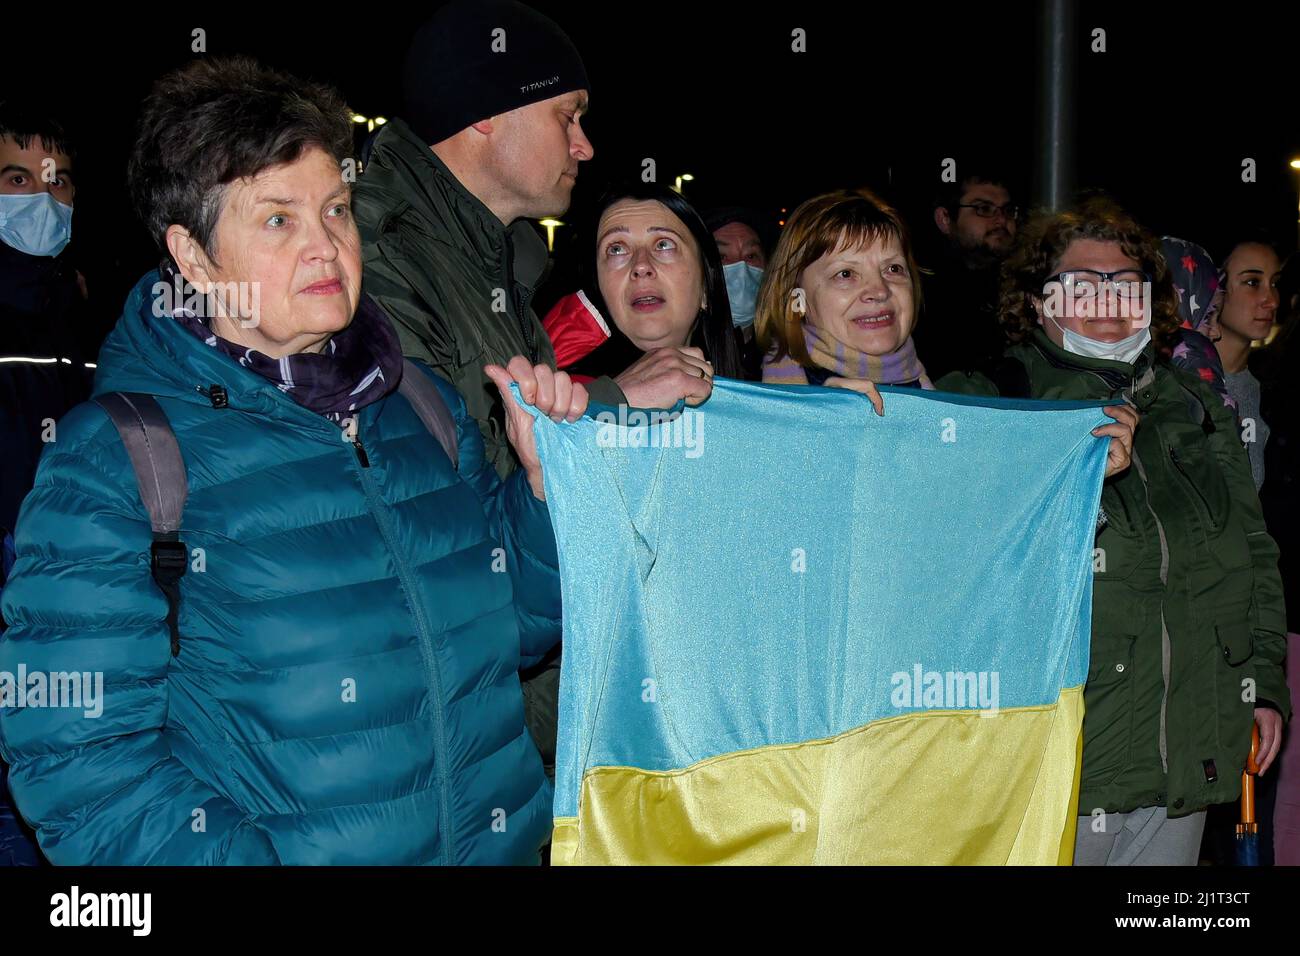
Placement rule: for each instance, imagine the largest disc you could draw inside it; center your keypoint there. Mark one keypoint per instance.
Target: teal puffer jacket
(347, 687)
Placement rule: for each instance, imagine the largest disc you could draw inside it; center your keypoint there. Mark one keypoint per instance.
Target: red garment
(576, 330)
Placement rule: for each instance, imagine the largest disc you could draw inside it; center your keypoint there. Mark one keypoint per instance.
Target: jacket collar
(148, 351)
(1120, 376)
(408, 173)
(25, 279)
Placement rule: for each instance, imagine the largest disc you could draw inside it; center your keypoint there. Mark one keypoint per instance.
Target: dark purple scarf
(358, 366)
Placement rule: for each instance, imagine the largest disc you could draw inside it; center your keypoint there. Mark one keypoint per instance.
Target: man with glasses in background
(976, 222)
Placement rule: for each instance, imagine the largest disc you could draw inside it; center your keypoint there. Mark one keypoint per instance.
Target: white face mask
(743, 281)
(35, 223)
(1125, 350)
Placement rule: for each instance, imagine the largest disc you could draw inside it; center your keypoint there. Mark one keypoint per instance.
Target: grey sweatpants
(1144, 837)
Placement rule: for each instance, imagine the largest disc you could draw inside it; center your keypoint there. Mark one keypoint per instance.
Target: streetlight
(370, 123)
(550, 225)
(1295, 164)
(683, 178)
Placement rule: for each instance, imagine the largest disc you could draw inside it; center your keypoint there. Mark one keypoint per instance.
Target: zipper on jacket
(521, 317)
(1166, 651)
(1165, 645)
(216, 395)
(525, 298)
(311, 420)
(1112, 380)
(380, 511)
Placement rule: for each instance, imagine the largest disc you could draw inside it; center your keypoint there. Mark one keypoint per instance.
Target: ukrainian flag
(799, 633)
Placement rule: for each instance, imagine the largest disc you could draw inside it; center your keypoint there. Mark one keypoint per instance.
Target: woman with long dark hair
(654, 306)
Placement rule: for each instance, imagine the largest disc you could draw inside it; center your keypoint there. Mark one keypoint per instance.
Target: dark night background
(884, 92)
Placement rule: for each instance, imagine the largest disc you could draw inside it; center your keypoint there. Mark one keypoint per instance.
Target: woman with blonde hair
(840, 298)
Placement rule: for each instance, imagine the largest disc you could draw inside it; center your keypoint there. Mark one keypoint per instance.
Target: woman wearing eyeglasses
(1187, 633)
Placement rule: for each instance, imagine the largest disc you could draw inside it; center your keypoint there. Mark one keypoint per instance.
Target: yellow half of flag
(947, 787)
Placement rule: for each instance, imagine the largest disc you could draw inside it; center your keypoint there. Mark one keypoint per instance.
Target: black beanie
(453, 78)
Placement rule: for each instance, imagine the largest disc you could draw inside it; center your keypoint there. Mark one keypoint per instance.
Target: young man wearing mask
(45, 346)
(44, 352)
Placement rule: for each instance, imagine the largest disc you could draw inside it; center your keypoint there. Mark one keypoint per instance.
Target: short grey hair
(215, 121)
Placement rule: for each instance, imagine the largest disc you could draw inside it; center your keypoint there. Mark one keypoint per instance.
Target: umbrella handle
(1247, 824)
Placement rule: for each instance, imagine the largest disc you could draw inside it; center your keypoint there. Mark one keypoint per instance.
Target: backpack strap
(160, 474)
(418, 389)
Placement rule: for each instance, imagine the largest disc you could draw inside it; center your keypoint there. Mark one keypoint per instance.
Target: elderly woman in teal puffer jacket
(341, 683)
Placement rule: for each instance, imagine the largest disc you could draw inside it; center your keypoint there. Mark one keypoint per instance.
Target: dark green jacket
(1187, 602)
(456, 282)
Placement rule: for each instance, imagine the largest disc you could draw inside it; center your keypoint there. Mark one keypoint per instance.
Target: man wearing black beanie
(490, 136)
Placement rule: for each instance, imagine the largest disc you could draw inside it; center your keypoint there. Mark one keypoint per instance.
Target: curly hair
(847, 218)
(1042, 245)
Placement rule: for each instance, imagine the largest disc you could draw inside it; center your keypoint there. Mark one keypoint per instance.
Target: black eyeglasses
(987, 210)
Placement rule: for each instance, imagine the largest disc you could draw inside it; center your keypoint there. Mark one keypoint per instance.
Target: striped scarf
(896, 368)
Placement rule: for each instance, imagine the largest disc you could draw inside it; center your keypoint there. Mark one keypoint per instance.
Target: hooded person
(1196, 280)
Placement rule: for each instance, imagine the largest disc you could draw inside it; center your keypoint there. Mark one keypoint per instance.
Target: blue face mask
(743, 281)
(35, 223)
